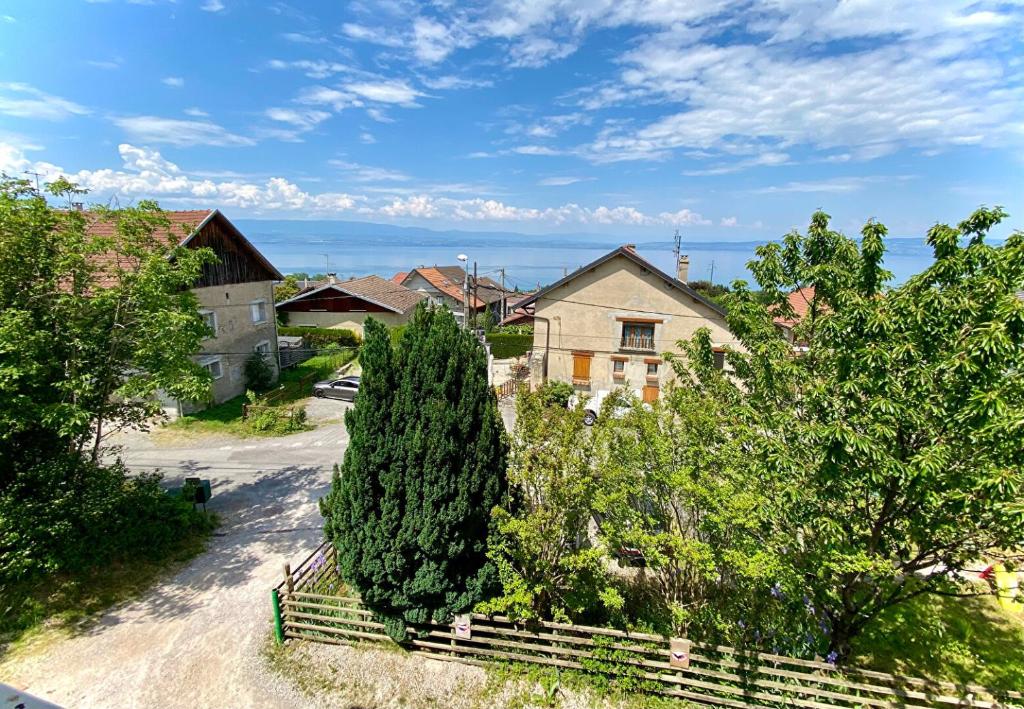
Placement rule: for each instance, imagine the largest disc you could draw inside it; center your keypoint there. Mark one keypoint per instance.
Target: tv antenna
(679, 245)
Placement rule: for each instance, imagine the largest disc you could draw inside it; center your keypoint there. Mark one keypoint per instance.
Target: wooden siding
(332, 301)
(236, 261)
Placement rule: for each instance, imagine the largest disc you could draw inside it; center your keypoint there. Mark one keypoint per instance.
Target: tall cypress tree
(410, 510)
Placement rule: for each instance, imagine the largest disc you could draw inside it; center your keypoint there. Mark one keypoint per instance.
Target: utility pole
(476, 286)
(327, 263)
(463, 259)
(36, 175)
(712, 281)
(504, 314)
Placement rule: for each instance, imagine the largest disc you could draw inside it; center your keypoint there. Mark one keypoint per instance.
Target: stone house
(608, 324)
(444, 285)
(346, 304)
(236, 299)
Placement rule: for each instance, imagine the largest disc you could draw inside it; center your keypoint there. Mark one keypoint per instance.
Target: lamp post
(465, 290)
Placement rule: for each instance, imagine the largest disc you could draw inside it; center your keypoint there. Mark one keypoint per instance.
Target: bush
(68, 518)
(505, 346)
(554, 393)
(259, 375)
(317, 337)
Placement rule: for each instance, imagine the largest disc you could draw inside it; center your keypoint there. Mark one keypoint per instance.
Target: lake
(358, 249)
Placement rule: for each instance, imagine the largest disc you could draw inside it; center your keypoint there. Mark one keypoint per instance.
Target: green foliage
(890, 450)
(410, 511)
(963, 640)
(91, 328)
(555, 393)
(286, 289)
(506, 346)
(396, 334)
(515, 330)
(547, 565)
(66, 518)
(259, 375)
(317, 337)
(277, 420)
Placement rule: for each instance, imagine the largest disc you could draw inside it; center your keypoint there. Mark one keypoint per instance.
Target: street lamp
(465, 289)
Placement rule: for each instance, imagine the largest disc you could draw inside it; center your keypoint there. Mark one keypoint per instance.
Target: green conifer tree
(410, 509)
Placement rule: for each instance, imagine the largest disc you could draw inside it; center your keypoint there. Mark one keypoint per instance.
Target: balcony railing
(637, 342)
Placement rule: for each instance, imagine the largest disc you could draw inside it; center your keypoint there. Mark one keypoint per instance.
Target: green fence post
(275, 600)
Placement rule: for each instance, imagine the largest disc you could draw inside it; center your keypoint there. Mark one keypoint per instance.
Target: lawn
(964, 640)
(294, 385)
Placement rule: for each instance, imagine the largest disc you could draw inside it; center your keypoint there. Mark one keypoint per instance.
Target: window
(581, 367)
(719, 359)
(652, 369)
(262, 348)
(210, 320)
(259, 311)
(619, 367)
(637, 336)
(213, 366)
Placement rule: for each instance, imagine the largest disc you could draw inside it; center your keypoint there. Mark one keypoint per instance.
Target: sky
(730, 121)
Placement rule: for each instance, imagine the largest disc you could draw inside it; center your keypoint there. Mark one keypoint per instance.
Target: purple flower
(832, 657)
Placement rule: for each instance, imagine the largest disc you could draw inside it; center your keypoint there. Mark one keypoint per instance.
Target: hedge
(505, 346)
(323, 336)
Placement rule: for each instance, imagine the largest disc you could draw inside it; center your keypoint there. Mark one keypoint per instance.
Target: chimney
(78, 206)
(683, 268)
(332, 278)
(305, 283)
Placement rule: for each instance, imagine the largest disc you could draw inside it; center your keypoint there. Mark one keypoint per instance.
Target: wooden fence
(310, 604)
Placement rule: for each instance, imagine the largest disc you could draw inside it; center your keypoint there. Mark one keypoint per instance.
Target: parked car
(592, 406)
(345, 388)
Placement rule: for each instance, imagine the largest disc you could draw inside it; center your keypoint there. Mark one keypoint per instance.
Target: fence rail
(310, 605)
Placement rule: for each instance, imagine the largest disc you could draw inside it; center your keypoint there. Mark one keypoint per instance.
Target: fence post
(275, 600)
(288, 578)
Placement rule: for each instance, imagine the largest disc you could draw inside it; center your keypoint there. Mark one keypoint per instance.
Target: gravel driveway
(195, 640)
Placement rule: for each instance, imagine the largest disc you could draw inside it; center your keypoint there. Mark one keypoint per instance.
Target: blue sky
(729, 120)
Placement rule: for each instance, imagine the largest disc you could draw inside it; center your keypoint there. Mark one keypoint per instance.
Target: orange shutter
(581, 367)
(650, 393)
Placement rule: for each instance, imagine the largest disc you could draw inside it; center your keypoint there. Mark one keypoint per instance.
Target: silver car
(345, 389)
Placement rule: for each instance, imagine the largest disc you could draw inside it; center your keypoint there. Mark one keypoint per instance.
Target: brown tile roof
(447, 285)
(383, 292)
(182, 225)
(800, 302)
(449, 280)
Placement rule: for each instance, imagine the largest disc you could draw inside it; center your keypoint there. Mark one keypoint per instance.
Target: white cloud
(729, 222)
(108, 64)
(561, 181)
(366, 138)
(323, 95)
(536, 150)
(450, 82)
(196, 112)
(832, 185)
(314, 69)
(432, 41)
(24, 101)
(303, 119)
(373, 35)
(394, 91)
(182, 133)
(684, 217)
(175, 82)
(366, 173)
(212, 6)
(301, 38)
(9, 19)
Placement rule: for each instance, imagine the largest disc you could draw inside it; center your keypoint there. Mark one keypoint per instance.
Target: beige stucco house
(608, 324)
(236, 299)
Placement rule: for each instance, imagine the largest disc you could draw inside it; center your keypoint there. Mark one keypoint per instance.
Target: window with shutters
(581, 367)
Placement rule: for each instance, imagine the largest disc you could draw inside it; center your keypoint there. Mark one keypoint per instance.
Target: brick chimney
(683, 268)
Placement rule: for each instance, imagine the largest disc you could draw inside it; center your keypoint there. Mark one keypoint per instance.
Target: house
(235, 294)
(444, 285)
(800, 301)
(513, 315)
(346, 304)
(607, 324)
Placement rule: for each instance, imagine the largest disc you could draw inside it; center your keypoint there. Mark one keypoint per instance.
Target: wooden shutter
(581, 367)
(650, 393)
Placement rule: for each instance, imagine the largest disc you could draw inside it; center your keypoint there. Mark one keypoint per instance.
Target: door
(650, 393)
(348, 391)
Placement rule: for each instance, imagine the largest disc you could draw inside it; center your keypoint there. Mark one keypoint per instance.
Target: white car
(592, 405)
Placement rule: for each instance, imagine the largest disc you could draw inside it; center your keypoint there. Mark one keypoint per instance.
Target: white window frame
(255, 306)
(203, 312)
(207, 362)
(262, 343)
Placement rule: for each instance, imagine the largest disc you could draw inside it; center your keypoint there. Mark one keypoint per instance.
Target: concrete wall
(237, 335)
(347, 321)
(587, 315)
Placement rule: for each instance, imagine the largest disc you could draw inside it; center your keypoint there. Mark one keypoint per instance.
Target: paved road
(195, 639)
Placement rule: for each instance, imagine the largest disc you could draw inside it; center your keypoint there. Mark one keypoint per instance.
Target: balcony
(641, 342)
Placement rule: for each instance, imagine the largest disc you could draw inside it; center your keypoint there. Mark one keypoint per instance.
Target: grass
(962, 640)
(66, 605)
(294, 385)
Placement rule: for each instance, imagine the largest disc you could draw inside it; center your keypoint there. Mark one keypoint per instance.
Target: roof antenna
(679, 245)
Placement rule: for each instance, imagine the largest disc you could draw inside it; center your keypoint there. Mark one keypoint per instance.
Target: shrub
(553, 393)
(317, 337)
(505, 346)
(259, 375)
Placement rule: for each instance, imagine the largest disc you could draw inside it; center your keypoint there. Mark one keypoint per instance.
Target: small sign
(463, 627)
(679, 652)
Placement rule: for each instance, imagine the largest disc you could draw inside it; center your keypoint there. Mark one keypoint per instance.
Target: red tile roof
(444, 284)
(399, 277)
(800, 302)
